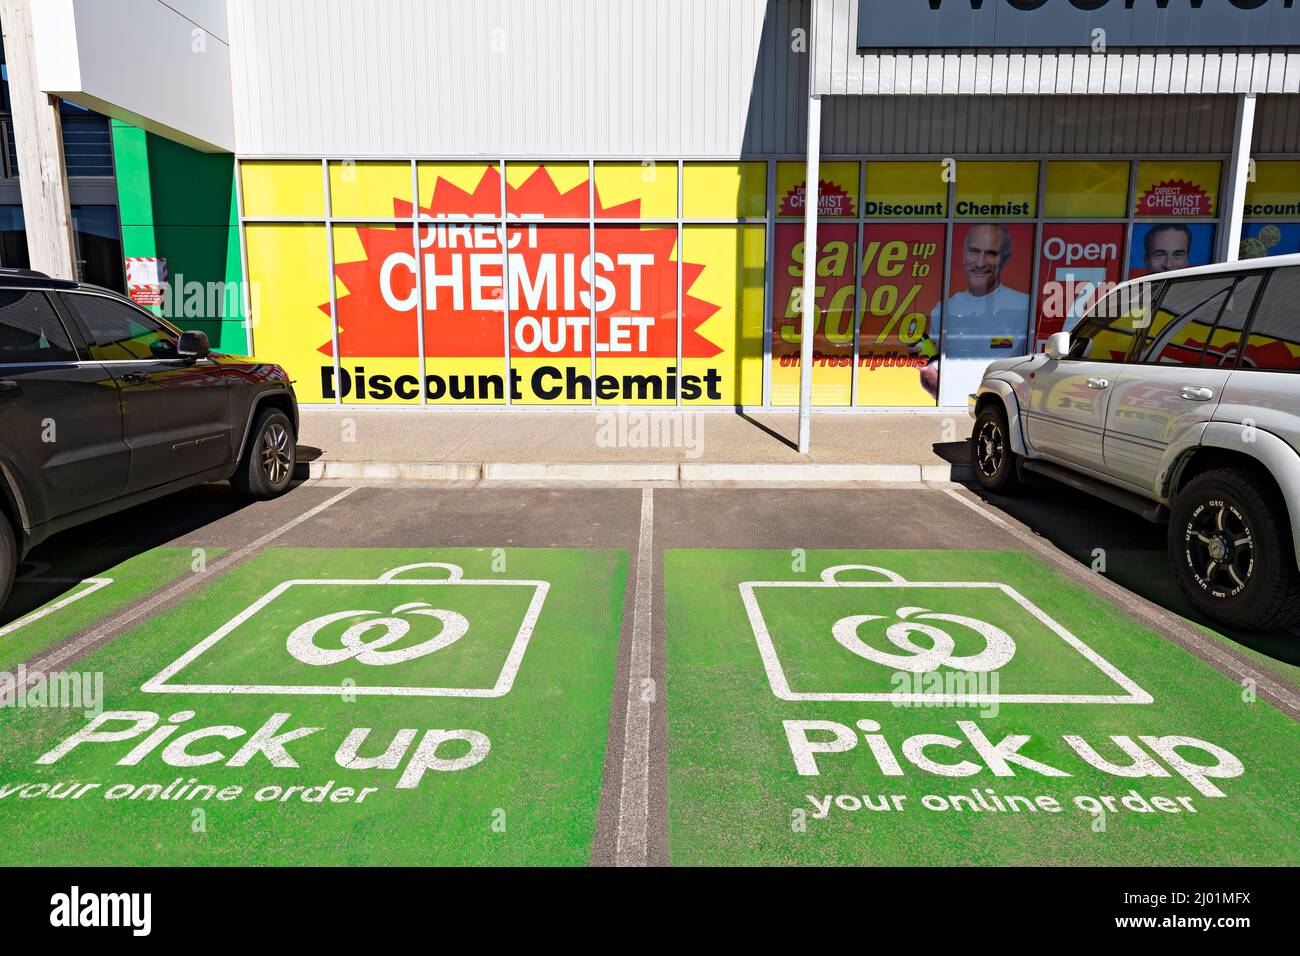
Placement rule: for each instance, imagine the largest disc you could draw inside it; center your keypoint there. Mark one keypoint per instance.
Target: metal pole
(1238, 175)
(806, 303)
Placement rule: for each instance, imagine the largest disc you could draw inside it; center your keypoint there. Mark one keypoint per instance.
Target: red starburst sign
(832, 201)
(549, 275)
(1174, 197)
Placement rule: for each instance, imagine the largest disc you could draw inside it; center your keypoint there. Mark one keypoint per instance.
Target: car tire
(1230, 545)
(8, 558)
(266, 469)
(991, 457)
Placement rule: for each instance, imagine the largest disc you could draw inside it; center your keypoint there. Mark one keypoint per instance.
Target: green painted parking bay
(941, 707)
(337, 706)
(50, 602)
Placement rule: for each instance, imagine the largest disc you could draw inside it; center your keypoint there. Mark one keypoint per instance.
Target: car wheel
(267, 466)
(991, 456)
(1230, 546)
(8, 557)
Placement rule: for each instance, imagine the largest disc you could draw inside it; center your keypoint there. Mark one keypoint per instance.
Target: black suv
(104, 406)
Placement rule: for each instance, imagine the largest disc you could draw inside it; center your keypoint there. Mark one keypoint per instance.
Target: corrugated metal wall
(1049, 125)
(638, 78)
(652, 79)
(840, 69)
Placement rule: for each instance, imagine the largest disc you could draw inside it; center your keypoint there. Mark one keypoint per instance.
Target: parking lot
(385, 674)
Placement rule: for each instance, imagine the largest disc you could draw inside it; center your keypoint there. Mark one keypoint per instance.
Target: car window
(1274, 339)
(30, 329)
(1183, 324)
(1225, 341)
(1111, 329)
(117, 332)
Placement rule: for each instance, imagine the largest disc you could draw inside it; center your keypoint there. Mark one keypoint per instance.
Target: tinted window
(119, 332)
(1112, 327)
(1225, 341)
(1199, 318)
(30, 330)
(1274, 339)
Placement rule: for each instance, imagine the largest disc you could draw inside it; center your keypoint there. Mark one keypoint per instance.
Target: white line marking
(128, 617)
(1205, 646)
(158, 683)
(96, 584)
(631, 846)
(781, 687)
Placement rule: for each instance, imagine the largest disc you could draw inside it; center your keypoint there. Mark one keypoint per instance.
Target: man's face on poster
(983, 259)
(1168, 250)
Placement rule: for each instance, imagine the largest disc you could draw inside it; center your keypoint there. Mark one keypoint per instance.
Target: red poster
(902, 284)
(833, 293)
(1174, 197)
(1077, 263)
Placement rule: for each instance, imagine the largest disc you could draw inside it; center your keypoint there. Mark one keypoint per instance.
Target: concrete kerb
(633, 472)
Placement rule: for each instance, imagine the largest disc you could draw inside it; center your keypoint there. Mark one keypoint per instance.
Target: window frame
(1237, 276)
(1139, 332)
(88, 340)
(1268, 274)
(74, 342)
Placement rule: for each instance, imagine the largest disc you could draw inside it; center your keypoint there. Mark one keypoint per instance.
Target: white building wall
(164, 66)
(628, 78)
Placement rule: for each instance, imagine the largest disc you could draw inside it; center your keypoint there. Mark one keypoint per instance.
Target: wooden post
(38, 138)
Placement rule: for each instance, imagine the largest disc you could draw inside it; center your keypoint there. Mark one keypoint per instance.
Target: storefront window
(1164, 246)
(834, 304)
(548, 190)
(1079, 190)
(906, 191)
(636, 190)
(289, 294)
(996, 191)
(459, 189)
(282, 189)
(722, 314)
(1077, 263)
(360, 189)
(724, 190)
(378, 312)
(1177, 190)
(1271, 224)
(550, 314)
(704, 308)
(986, 316)
(902, 288)
(13, 238)
(837, 190)
(97, 236)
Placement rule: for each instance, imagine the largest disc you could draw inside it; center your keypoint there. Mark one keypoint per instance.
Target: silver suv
(1176, 396)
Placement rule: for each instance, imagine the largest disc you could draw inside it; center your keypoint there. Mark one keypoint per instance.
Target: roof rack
(23, 273)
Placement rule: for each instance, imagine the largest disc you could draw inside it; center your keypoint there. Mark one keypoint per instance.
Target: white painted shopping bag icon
(840, 640)
(318, 634)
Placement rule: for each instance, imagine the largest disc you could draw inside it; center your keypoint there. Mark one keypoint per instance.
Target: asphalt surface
(1054, 524)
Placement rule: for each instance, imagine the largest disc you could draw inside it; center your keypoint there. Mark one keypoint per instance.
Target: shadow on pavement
(1129, 550)
(91, 549)
(953, 452)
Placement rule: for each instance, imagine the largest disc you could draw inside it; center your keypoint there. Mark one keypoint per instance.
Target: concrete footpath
(631, 445)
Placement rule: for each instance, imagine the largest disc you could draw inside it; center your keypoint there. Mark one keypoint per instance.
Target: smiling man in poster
(984, 321)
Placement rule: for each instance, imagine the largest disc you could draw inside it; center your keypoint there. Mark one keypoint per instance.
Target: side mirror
(1058, 346)
(193, 345)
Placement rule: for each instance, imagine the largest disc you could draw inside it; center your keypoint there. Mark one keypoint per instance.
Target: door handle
(8, 385)
(134, 378)
(1098, 383)
(1197, 393)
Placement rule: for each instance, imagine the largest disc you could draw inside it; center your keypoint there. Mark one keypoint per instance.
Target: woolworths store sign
(1072, 23)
